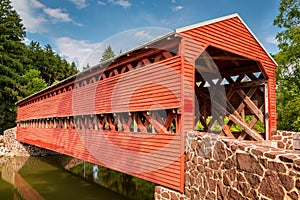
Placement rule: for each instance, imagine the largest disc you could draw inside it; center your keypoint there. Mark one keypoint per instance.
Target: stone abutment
(221, 168)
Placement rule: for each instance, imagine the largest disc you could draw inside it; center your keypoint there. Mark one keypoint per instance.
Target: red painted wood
(231, 35)
(148, 154)
(137, 90)
(166, 84)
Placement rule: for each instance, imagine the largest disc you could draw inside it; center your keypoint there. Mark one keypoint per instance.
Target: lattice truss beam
(240, 112)
(159, 121)
(244, 97)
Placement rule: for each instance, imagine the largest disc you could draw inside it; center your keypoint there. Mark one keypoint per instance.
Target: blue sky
(79, 30)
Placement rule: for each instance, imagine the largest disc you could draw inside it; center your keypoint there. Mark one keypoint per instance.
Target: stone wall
(287, 140)
(222, 168)
(21, 149)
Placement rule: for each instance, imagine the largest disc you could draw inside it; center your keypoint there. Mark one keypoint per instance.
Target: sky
(80, 30)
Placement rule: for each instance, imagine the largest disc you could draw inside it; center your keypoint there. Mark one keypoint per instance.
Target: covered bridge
(132, 113)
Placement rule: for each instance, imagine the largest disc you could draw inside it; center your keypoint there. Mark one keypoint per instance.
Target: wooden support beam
(146, 61)
(99, 123)
(255, 83)
(141, 125)
(103, 76)
(229, 57)
(158, 58)
(227, 131)
(242, 104)
(111, 124)
(140, 63)
(124, 124)
(251, 76)
(134, 120)
(169, 119)
(240, 78)
(158, 118)
(118, 122)
(129, 122)
(159, 127)
(246, 128)
(123, 69)
(116, 72)
(235, 117)
(129, 66)
(167, 54)
(251, 105)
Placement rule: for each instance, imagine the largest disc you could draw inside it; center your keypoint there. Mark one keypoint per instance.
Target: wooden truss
(244, 97)
(158, 121)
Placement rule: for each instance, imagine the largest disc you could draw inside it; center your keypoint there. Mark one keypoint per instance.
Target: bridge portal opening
(230, 92)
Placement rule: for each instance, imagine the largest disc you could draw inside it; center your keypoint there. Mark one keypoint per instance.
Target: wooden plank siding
(156, 156)
(233, 36)
(136, 90)
(153, 157)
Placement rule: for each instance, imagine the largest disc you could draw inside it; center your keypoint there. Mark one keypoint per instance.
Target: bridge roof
(173, 33)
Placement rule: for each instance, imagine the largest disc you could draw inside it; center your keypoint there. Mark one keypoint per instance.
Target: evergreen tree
(288, 71)
(12, 57)
(51, 66)
(107, 54)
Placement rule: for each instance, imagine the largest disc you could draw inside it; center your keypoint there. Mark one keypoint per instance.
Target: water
(38, 178)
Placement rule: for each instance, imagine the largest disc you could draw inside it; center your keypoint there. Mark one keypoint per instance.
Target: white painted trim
(186, 28)
(257, 40)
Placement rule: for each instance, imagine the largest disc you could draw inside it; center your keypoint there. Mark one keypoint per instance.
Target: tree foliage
(34, 81)
(107, 54)
(12, 57)
(23, 69)
(51, 65)
(288, 59)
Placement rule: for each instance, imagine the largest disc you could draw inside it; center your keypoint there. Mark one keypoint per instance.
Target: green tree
(288, 59)
(52, 67)
(12, 57)
(107, 54)
(34, 82)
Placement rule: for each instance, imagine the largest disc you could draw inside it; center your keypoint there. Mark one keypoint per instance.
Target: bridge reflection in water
(37, 179)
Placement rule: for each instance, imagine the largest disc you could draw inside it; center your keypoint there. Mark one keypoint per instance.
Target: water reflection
(37, 179)
(129, 186)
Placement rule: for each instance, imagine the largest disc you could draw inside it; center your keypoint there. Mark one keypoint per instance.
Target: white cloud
(80, 3)
(56, 14)
(177, 8)
(35, 14)
(37, 4)
(32, 21)
(143, 35)
(78, 51)
(173, 1)
(271, 40)
(123, 3)
(101, 3)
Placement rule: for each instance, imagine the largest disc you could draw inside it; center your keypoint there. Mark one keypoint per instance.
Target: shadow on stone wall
(221, 168)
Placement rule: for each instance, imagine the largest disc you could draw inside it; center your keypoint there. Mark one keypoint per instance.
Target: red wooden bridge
(131, 113)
